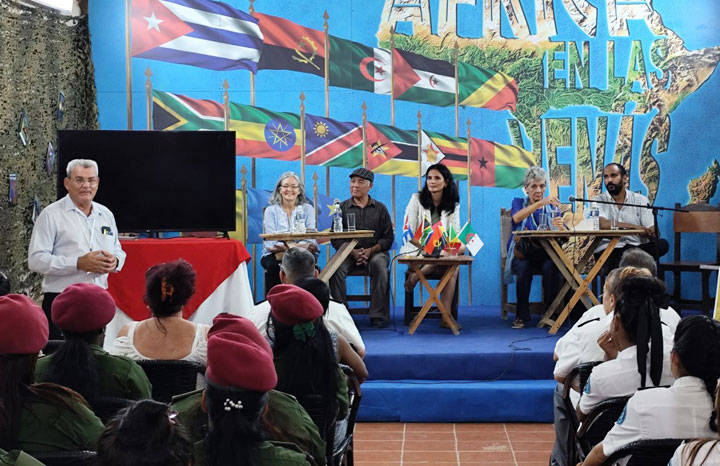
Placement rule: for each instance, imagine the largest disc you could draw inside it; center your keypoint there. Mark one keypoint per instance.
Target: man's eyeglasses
(81, 181)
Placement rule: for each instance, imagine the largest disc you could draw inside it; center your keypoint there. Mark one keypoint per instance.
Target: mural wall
(568, 84)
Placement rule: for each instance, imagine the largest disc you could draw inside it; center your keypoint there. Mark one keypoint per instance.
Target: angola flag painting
(258, 132)
(490, 89)
(498, 165)
(289, 46)
(332, 143)
(391, 151)
(435, 83)
(201, 33)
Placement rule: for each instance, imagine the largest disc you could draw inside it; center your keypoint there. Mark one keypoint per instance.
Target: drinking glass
(542, 221)
(300, 221)
(613, 219)
(351, 222)
(554, 214)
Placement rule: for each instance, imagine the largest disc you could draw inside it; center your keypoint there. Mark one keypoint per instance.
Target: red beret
(232, 323)
(24, 328)
(237, 360)
(83, 307)
(292, 305)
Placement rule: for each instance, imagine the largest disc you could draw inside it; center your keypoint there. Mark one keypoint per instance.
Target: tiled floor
(395, 444)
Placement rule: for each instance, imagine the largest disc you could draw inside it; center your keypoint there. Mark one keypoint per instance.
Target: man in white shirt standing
(75, 240)
(615, 178)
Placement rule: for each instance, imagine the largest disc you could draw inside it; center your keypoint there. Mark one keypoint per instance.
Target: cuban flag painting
(200, 33)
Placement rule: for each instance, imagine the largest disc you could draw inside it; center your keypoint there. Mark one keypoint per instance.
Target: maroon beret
(83, 307)
(292, 305)
(237, 360)
(24, 328)
(232, 323)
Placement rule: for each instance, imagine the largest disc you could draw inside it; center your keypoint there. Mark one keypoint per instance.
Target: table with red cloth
(221, 284)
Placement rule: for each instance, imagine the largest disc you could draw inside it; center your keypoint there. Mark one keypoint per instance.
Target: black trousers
(650, 247)
(272, 271)
(48, 298)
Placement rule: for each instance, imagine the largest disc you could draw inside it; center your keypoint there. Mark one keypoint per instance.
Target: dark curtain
(41, 54)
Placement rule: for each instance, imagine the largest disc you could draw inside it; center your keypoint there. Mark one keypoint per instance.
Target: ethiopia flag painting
(258, 132)
(498, 165)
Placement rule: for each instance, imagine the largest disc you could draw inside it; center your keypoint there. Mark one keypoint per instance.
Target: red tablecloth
(214, 260)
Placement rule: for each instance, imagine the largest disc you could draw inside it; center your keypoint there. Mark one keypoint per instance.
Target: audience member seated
(240, 373)
(81, 312)
(144, 434)
(4, 284)
(298, 264)
(306, 353)
(36, 417)
(701, 452)
(682, 411)
(284, 420)
(634, 346)
(166, 335)
(289, 195)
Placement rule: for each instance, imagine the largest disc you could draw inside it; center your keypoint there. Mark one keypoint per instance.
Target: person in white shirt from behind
(701, 452)
(683, 411)
(634, 344)
(298, 263)
(74, 240)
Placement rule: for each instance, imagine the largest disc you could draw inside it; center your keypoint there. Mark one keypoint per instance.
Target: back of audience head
(4, 284)
(239, 374)
(696, 353)
(636, 257)
(690, 450)
(297, 263)
(299, 336)
(638, 310)
(144, 434)
(168, 287)
(81, 311)
(613, 284)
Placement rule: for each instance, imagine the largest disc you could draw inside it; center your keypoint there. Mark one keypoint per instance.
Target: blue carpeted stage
(488, 373)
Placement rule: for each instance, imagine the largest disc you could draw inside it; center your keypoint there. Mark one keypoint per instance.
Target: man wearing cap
(370, 254)
(75, 240)
(298, 264)
(82, 311)
(284, 420)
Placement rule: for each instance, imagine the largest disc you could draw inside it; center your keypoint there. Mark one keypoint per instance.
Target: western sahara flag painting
(201, 33)
(434, 80)
(258, 132)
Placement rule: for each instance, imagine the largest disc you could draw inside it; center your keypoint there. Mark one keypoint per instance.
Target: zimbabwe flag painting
(498, 165)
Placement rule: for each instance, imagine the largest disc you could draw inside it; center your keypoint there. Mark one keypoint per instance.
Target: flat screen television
(158, 180)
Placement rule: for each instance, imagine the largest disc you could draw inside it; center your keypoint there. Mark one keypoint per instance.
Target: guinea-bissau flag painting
(498, 165)
(258, 132)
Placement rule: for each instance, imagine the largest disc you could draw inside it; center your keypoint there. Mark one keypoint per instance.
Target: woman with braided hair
(634, 342)
(682, 411)
(702, 451)
(166, 334)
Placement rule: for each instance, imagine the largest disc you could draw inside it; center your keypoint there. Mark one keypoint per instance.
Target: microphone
(571, 199)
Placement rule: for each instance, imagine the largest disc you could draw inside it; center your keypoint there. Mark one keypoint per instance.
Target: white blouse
(125, 346)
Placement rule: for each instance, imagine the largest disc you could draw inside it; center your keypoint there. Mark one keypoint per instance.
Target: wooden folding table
(572, 272)
(351, 237)
(451, 263)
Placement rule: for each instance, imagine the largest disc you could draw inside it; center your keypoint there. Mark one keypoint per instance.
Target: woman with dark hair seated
(634, 344)
(144, 434)
(82, 311)
(702, 451)
(437, 201)
(239, 375)
(36, 417)
(166, 335)
(684, 410)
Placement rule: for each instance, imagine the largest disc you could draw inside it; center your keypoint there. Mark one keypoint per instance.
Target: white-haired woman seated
(532, 212)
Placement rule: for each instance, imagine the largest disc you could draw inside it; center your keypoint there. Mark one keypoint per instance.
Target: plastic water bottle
(299, 220)
(337, 219)
(595, 216)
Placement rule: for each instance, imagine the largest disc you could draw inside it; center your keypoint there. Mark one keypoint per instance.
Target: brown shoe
(444, 324)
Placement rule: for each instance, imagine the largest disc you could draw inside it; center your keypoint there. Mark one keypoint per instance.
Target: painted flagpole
(392, 123)
(251, 10)
(226, 105)
(302, 136)
(469, 204)
(419, 151)
(148, 98)
(364, 131)
(326, 28)
(457, 94)
(128, 67)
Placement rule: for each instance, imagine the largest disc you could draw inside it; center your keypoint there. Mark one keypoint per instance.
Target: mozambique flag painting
(498, 165)
(258, 132)
(391, 150)
(332, 143)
